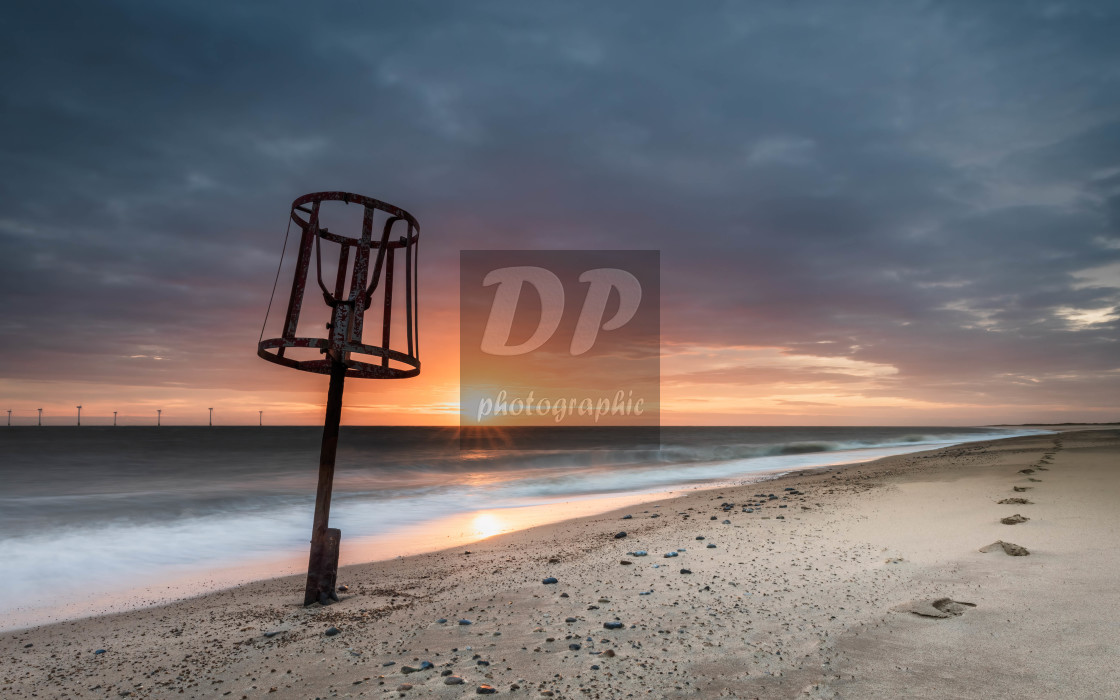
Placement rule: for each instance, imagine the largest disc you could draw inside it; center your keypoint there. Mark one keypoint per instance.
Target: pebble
(669, 555)
(711, 546)
(441, 621)
(486, 689)
(571, 619)
(404, 686)
(574, 647)
(627, 517)
(332, 631)
(99, 651)
(620, 535)
(612, 625)
(726, 522)
(464, 622)
(686, 571)
(594, 667)
(453, 680)
(640, 553)
(343, 588)
(699, 538)
(550, 579)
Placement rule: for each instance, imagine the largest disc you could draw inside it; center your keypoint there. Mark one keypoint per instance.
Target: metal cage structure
(351, 304)
(351, 299)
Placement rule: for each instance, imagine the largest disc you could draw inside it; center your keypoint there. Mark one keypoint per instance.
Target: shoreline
(157, 589)
(776, 607)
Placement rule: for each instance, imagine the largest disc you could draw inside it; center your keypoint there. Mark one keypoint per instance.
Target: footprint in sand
(1013, 550)
(1039, 481)
(936, 607)
(1013, 519)
(1015, 501)
(1026, 471)
(1021, 489)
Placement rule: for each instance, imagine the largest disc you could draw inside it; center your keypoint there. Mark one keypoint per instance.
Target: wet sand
(816, 599)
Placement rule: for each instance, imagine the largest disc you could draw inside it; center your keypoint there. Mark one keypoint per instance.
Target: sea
(98, 518)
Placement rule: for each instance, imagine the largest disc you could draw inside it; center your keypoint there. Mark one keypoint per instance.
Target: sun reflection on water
(487, 525)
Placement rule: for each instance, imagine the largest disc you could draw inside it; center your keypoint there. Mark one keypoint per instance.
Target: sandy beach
(812, 592)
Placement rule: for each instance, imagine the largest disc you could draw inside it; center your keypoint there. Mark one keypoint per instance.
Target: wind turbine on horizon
(40, 417)
(79, 416)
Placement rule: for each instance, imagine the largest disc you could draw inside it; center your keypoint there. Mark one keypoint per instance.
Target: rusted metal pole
(322, 565)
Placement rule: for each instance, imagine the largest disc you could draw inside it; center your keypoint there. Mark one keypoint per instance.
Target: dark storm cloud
(917, 183)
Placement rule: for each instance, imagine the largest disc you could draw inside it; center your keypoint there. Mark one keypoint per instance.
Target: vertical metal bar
(416, 290)
(358, 280)
(322, 565)
(343, 260)
(387, 314)
(408, 288)
(299, 284)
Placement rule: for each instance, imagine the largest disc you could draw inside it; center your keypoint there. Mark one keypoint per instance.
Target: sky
(868, 213)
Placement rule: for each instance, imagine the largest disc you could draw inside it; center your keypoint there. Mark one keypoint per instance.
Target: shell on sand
(1008, 548)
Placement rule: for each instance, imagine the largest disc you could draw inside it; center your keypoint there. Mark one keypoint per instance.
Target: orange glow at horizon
(699, 386)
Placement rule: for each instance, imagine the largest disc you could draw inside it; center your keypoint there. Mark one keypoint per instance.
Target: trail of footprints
(946, 607)
(1042, 465)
